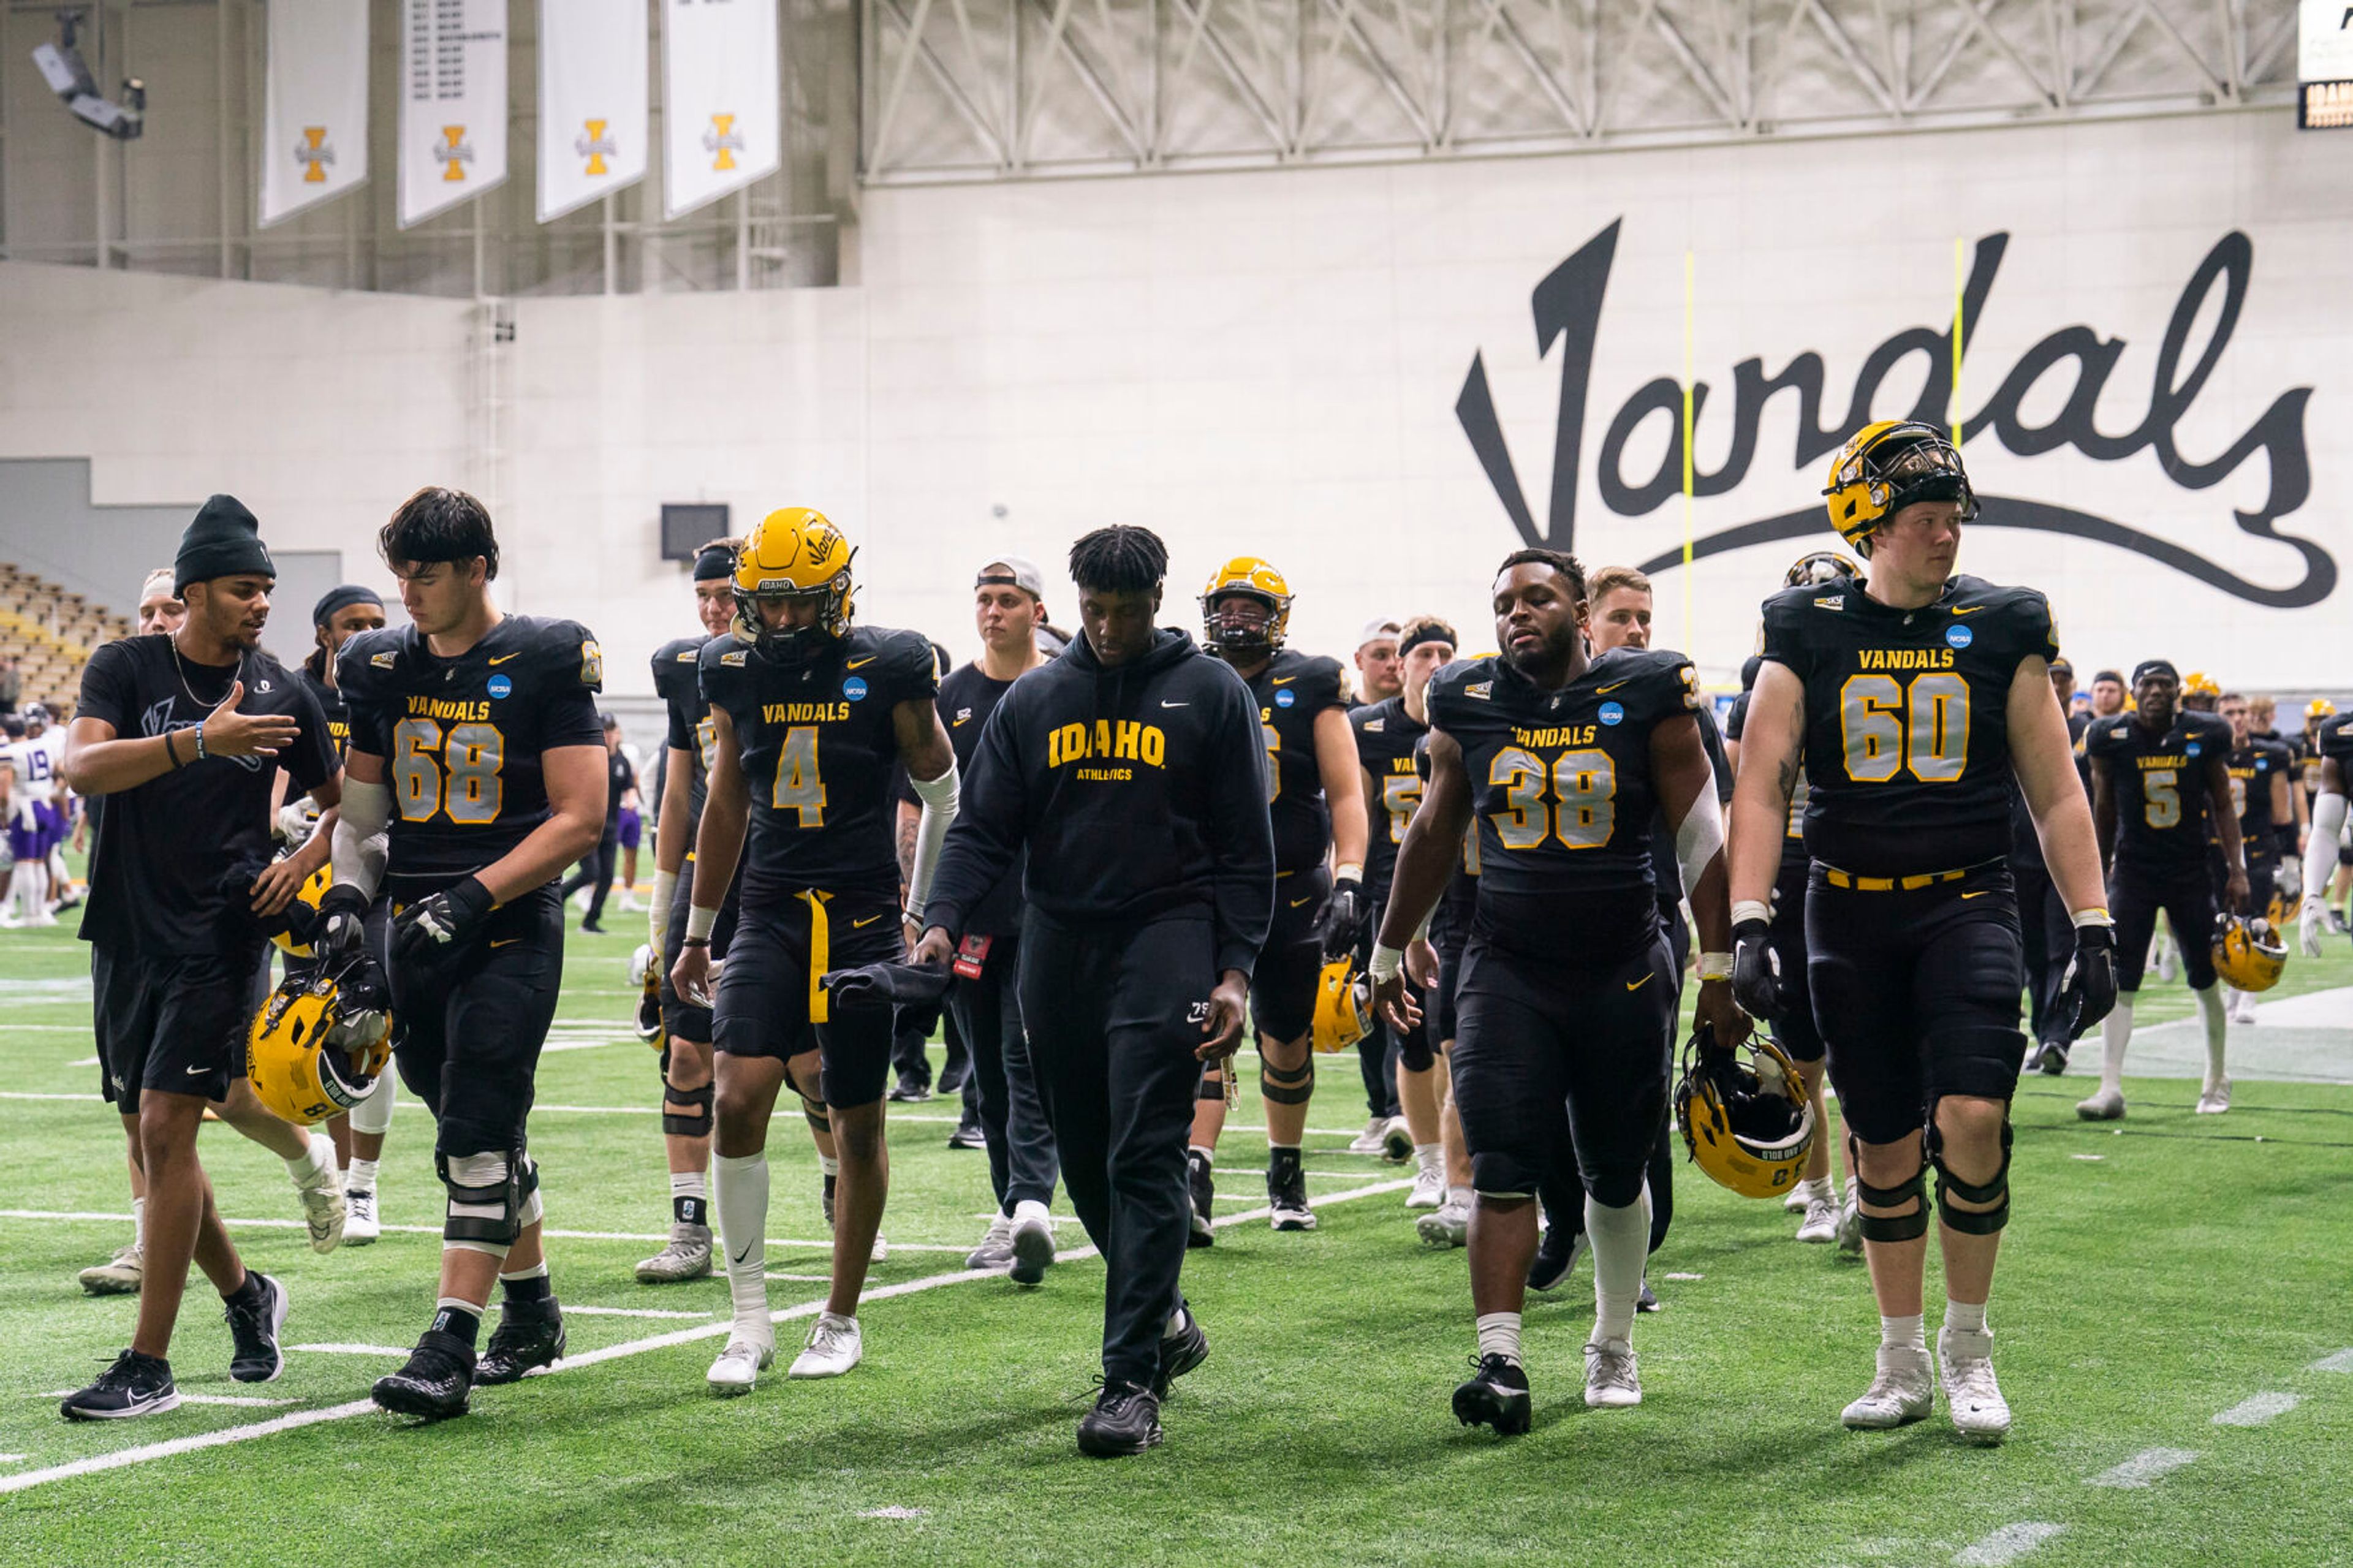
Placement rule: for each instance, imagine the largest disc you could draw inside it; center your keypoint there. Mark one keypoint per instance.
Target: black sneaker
(1496, 1395)
(1556, 1255)
(1180, 1353)
(528, 1335)
(2053, 1057)
(1286, 1196)
(910, 1091)
(436, 1383)
(968, 1135)
(254, 1324)
(135, 1386)
(1205, 1192)
(1648, 1301)
(1126, 1420)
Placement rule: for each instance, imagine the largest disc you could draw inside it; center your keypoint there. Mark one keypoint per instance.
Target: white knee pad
(372, 1114)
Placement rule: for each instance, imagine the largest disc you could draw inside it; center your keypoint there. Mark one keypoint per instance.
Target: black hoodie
(1140, 791)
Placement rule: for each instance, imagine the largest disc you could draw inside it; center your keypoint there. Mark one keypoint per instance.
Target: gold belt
(1849, 880)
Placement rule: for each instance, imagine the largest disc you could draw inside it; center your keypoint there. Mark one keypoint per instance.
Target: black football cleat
(1205, 1192)
(2053, 1057)
(1126, 1420)
(253, 1326)
(1180, 1353)
(528, 1335)
(1496, 1395)
(1556, 1254)
(135, 1384)
(436, 1383)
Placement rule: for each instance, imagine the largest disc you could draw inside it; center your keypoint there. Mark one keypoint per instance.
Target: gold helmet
(2248, 953)
(312, 890)
(793, 554)
(1886, 467)
(1344, 1006)
(1817, 569)
(2200, 685)
(1246, 577)
(644, 973)
(1747, 1124)
(307, 1057)
(2320, 708)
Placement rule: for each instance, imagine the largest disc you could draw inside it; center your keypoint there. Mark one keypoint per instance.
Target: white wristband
(1348, 871)
(2092, 917)
(1750, 910)
(699, 922)
(1715, 966)
(1386, 963)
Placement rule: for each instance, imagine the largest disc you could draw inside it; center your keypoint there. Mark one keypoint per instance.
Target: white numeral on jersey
(797, 785)
(1400, 793)
(1884, 725)
(1273, 764)
(2161, 791)
(473, 755)
(1585, 783)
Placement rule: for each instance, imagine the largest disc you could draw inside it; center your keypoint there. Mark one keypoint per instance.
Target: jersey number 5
(1584, 785)
(1885, 726)
(456, 773)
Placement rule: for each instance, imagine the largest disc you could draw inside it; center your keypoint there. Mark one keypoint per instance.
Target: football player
(159, 606)
(1379, 670)
(33, 791)
(477, 775)
(2199, 694)
(1317, 800)
(808, 712)
(180, 733)
(1910, 699)
(2332, 743)
(2161, 775)
(1433, 967)
(2319, 715)
(1565, 1006)
(2260, 794)
(1379, 677)
(2107, 694)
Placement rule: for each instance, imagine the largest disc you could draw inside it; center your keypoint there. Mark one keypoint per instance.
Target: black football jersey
(331, 703)
(2334, 738)
(2159, 786)
(1386, 736)
(817, 744)
(1561, 787)
(462, 737)
(1450, 923)
(1907, 733)
(1291, 690)
(1793, 840)
(678, 681)
(2252, 768)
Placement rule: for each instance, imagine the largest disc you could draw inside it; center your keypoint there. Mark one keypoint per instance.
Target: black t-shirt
(1291, 690)
(2159, 783)
(967, 697)
(1907, 733)
(2252, 768)
(1561, 784)
(817, 742)
(620, 780)
(676, 682)
(1386, 738)
(162, 849)
(462, 737)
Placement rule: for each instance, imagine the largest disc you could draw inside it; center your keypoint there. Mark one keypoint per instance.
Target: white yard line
(2341, 1362)
(2258, 1408)
(572, 1309)
(2143, 1468)
(819, 1245)
(148, 1452)
(395, 1352)
(237, 1400)
(2007, 1545)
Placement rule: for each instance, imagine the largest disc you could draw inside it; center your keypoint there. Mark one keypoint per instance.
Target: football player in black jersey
(1316, 794)
(1380, 676)
(1565, 1006)
(2332, 747)
(2160, 784)
(1911, 699)
(808, 711)
(2320, 716)
(477, 775)
(2260, 795)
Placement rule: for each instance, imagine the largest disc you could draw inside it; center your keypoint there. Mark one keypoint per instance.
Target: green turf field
(2158, 1273)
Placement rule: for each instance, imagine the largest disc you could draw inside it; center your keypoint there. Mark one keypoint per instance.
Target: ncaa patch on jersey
(1611, 713)
(499, 686)
(1959, 636)
(854, 689)
(1284, 698)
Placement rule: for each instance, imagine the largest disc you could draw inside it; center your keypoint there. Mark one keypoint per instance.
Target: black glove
(878, 986)
(2088, 990)
(1755, 970)
(1347, 914)
(361, 986)
(431, 926)
(342, 922)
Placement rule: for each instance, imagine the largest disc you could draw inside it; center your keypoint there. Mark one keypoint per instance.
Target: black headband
(1420, 635)
(2156, 666)
(714, 560)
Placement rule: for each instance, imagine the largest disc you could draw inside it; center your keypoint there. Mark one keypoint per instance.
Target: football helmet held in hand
(1748, 1123)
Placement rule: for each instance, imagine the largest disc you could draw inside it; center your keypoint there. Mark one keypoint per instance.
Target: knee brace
(1972, 1222)
(372, 1114)
(1280, 1087)
(693, 1122)
(486, 1200)
(1908, 1227)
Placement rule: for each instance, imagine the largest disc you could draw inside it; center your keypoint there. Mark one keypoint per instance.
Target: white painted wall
(1269, 363)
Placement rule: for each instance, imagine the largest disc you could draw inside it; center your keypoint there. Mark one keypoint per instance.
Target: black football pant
(1114, 1016)
(987, 1012)
(470, 1022)
(596, 873)
(910, 1035)
(2048, 933)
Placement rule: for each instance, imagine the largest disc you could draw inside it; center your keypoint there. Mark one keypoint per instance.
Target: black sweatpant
(911, 1036)
(2048, 933)
(596, 873)
(1114, 1016)
(987, 1012)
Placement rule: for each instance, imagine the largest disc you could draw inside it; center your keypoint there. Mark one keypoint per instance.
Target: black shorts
(1795, 1029)
(1440, 1018)
(682, 1019)
(1550, 1058)
(1916, 994)
(1282, 981)
(174, 1024)
(2187, 897)
(2262, 877)
(468, 1024)
(770, 1005)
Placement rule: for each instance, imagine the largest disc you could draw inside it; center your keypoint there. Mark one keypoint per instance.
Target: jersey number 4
(1885, 727)
(456, 773)
(798, 788)
(1583, 809)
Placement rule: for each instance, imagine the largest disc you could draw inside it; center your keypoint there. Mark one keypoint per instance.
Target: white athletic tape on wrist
(700, 921)
(1387, 961)
(658, 912)
(1715, 966)
(1699, 838)
(1348, 871)
(2095, 916)
(1747, 910)
(940, 796)
(361, 836)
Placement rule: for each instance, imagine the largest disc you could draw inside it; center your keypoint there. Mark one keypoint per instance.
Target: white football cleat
(323, 1210)
(1429, 1188)
(121, 1275)
(1798, 1198)
(1611, 1381)
(1822, 1222)
(2163, 962)
(2107, 1105)
(1905, 1391)
(360, 1222)
(1370, 1140)
(996, 1248)
(1849, 1225)
(1444, 1227)
(833, 1348)
(1032, 1242)
(2243, 1009)
(1396, 1141)
(2215, 1097)
(1972, 1395)
(739, 1366)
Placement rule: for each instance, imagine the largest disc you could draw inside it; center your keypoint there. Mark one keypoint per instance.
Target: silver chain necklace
(181, 665)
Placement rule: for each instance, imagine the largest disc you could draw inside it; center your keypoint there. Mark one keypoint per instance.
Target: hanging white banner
(721, 115)
(453, 103)
(315, 123)
(592, 100)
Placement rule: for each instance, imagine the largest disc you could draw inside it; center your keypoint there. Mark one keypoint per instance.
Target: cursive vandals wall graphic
(1568, 306)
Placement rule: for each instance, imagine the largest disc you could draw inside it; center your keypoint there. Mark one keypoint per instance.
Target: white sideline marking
(2094, 1158)
(2007, 1545)
(2258, 1408)
(83, 1062)
(1686, 1275)
(13, 1458)
(825, 1246)
(393, 1351)
(893, 1511)
(123, 1457)
(570, 1310)
(804, 1278)
(2143, 1468)
(2341, 1362)
(235, 1399)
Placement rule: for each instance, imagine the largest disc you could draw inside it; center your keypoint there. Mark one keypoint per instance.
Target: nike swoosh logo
(195, 1072)
(1285, 679)
(510, 941)
(1166, 703)
(739, 1256)
(1296, 902)
(959, 724)
(1970, 610)
(1606, 690)
(861, 663)
(1638, 984)
(862, 925)
(1976, 895)
(505, 656)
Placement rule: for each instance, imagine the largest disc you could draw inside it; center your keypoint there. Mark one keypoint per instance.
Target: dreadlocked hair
(1119, 560)
(1559, 561)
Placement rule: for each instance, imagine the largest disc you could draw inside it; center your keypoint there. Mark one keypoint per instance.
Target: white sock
(827, 1165)
(317, 1159)
(1964, 1317)
(1459, 1195)
(1429, 1156)
(360, 1177)
(1620, 1239)
(2115, 1032)
(2210, 1004)
(1904, 1333)
(740, 1189)
(1028, 1209)
(688, 1184)
(139, 1223)
(1499, 1334)
(1176, 1324)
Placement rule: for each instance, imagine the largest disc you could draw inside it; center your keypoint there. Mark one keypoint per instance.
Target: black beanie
(223, 542)
(714, 560)
(343, 598)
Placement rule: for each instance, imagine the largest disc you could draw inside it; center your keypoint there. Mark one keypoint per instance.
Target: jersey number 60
(1885, 727)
